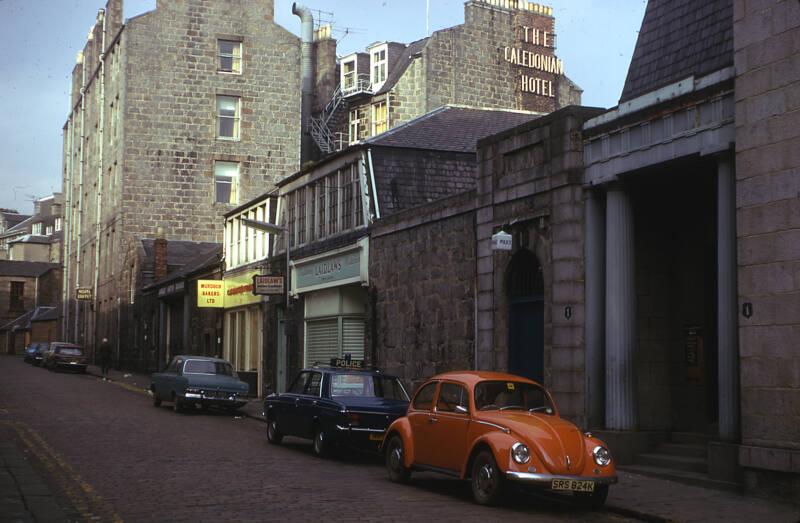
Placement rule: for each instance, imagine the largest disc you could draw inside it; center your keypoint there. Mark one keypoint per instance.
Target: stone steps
(681, 476)
(672, 462)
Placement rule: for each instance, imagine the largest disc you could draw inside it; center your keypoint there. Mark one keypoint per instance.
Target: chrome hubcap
(396, 458)
(318, 441)
(485, 477)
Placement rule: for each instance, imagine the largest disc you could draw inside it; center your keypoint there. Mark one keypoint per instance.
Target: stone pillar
(595, 307)
(728, 344)
(620, 312)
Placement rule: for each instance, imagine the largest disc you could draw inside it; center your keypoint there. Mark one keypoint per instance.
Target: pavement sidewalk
(643, 497)
(24, 494)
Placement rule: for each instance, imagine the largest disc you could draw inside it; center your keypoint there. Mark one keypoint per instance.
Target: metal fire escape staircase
(320, 130)
(320, 126)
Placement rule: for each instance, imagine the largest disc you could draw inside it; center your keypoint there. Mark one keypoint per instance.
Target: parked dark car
(336, 406)
(31, 351)
(38, 355)
(62, 355)
(192, 381)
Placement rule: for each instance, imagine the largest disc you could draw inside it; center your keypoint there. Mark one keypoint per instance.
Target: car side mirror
(462, 409)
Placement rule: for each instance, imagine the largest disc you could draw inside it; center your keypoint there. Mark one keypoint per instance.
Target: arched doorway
(525, 291)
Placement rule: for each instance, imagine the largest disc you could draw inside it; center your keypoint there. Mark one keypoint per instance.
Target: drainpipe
(306, 77)
(66, 235)
(81, 162)
(99, 196)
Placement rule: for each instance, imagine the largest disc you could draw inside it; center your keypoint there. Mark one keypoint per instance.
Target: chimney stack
(160, 255)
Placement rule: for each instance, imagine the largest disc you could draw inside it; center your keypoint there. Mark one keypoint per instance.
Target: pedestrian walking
(105, 357)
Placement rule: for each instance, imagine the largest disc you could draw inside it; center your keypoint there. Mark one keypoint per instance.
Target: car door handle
(432, 419)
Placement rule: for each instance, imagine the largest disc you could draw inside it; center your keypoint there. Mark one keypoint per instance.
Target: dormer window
(379, 64)
(349, 75)
(37, 229)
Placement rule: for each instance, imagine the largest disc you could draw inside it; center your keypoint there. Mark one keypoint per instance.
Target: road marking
(82, 495)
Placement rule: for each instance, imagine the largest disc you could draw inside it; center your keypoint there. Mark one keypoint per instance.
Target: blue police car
(344, 404)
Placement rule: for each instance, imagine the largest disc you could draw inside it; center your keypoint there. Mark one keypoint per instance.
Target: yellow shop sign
(210, 293)
(239, 290)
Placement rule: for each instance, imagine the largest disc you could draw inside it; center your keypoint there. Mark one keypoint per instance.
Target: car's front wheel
(594, 499)
(487, 480)
(274, 436)
(395, 464)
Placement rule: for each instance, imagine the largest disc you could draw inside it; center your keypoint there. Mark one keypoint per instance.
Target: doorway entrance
(525, 291)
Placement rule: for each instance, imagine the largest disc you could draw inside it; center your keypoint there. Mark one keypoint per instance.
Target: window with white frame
(349, 76)
(36, 229)
(301, 215)
(58, 224)
(226, 182)
(228, 115)
(378, 65)
(380, 120)
(245, 244)
(352, 135)
(49, 230)
(230, 56)
(328, 206)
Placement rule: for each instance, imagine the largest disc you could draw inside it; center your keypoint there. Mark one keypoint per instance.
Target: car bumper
(545, 480)
(70, 365)
(229, 401)
(362, 437)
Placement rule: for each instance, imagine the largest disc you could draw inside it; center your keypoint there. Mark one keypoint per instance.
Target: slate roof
(33, 238)
(45, 314)
(409, 53)
(179, 252)
(23, 322)
(679, 38)
(201, 261)
(25, 268)
(451, 128)
(13, 219)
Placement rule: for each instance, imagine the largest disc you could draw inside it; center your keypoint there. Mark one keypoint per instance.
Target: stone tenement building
(502, 57)
(177, 115)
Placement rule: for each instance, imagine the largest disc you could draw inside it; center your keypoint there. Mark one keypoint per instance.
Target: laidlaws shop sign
(332, 270)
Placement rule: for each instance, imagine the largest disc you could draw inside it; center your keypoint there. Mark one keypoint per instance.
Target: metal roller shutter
(322, 341)
(353, 337)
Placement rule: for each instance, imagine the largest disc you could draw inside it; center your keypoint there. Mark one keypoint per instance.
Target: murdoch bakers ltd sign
(534, 55)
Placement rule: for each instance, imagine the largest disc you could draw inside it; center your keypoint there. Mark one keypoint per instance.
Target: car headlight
(520, 453)
(601, 456)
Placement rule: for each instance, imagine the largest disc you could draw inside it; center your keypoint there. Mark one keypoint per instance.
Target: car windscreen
(207, 367)
(367, 386)
(69, 351)
(506, 395)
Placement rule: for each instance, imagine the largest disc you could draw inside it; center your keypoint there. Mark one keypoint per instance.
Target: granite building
(177, 115)
(501, 57)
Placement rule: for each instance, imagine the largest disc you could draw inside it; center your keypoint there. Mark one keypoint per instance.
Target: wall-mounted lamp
(747, 309)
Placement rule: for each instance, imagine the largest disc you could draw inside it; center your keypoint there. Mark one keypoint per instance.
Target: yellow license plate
(374, 436)
(573, 485)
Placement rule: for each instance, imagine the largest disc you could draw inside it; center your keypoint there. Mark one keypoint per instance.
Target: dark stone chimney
(160, 256)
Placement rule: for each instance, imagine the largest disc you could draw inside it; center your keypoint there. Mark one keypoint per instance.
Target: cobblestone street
(112, 454)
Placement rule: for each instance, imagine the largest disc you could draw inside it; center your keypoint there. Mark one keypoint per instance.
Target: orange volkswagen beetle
(493, 428)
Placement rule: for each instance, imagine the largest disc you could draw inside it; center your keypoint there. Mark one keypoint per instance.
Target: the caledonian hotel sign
(534, 51)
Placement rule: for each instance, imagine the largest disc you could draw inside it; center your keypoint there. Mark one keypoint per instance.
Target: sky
(39, 40)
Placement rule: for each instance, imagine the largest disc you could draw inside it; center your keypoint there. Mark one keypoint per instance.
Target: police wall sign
(502, 241)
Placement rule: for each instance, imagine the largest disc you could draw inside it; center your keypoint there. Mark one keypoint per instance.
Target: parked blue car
(198, 381)
(336, 405)
(37, 352)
